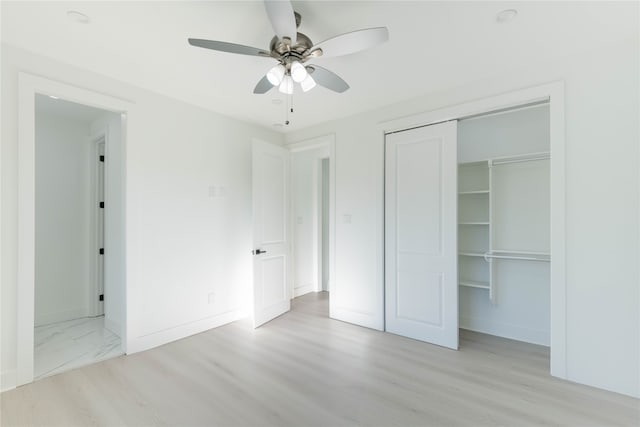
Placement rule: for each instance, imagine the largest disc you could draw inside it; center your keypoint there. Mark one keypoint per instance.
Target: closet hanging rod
(516, 255)
(528, 158)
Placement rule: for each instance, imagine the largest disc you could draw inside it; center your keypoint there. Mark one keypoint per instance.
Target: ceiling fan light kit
(286, 86)
(276, 74)
(308, 83)
(292, 50)
(298, 72)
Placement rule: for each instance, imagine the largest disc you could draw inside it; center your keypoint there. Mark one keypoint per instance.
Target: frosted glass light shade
(308, 83)
(298, 72)
(276, 74)
(287, 85)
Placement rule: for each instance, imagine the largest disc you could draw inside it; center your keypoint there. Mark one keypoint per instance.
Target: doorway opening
(504, 233)
(312, 207)
(60, 131)
(70, 320)
(324, 225)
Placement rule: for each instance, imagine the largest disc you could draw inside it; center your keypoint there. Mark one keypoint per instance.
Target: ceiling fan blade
(263, 86)
(283, 19)
(327, 78)
(229, 47)
(352, 42)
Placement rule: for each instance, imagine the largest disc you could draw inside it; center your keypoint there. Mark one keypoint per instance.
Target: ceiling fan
(293, 50)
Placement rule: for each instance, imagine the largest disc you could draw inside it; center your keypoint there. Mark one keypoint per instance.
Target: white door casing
(100, 231)
(270, 167)
(421, 284)
(28, 86)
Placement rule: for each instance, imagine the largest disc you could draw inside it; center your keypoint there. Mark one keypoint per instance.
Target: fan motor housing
(286, 53)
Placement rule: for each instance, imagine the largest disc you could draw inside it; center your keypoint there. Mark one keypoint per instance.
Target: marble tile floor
(63, 346)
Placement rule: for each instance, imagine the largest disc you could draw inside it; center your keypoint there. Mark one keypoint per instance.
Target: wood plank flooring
(304, 369)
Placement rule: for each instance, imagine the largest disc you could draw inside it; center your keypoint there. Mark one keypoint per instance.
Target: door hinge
(101, 158)
(102, 205)
(101, 297)
(101, 251)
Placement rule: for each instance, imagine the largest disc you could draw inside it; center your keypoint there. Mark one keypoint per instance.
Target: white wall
(601, 114)
(109, 126)
(505, 134)
(181, 243)
(62, 253)
(306, 168)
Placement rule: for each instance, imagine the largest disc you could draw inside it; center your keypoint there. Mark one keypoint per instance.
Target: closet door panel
(421, 295)
(418, 194)
(521, 206)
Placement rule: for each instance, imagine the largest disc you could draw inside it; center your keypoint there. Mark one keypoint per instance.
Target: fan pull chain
(286, 112)
(288, 108)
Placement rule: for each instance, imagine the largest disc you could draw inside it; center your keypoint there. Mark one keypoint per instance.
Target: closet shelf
(462, 193)
(476, 254)
(517, 255)
(474, 284)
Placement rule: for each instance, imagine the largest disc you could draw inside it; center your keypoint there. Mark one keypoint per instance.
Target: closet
(467, 227)
(504, 224)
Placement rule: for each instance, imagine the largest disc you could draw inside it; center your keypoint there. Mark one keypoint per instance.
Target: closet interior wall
(504, 224)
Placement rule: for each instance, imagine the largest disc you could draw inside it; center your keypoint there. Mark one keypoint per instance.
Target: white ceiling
(432, 46)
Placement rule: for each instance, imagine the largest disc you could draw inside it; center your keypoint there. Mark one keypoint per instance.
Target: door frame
(28, 87)
(94, 267)
(553, 93)
(328, 142)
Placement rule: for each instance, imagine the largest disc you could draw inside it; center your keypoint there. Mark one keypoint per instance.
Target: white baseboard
(147, 341)
(304, 289)
(8, 380)
(60, 316)
(505, 330)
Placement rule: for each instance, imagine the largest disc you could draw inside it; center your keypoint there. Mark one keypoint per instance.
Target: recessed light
(506, 16)
(53, 97)
(78, 17)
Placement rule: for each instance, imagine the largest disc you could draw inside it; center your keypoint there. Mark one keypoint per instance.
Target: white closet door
(421, 290)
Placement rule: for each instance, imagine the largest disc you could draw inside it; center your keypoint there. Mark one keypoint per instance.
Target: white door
(421, 289)
(270, 232)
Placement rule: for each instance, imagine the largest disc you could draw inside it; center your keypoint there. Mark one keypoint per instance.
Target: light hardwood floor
(304, 369)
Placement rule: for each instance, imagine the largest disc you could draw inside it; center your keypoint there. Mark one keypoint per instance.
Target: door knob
(258, 252)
